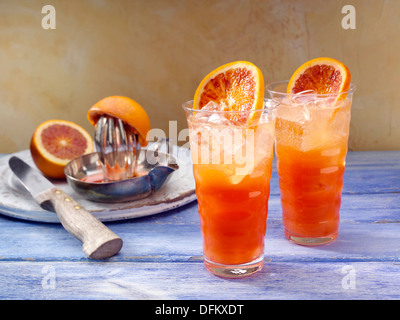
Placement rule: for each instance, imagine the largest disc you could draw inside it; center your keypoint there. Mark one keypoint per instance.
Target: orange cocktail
(232, 165)
(311, 145)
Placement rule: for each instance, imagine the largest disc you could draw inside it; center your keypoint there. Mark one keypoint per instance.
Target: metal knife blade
(32, 179)
(99, 242)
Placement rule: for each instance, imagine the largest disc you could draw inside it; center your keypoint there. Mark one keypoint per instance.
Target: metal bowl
(154, 172)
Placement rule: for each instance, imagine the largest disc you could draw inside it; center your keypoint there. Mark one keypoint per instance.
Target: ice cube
(218, 119)
(325, 102)
(212, 113)
(306, 97)
(204, 115)
(289, 112)
(212, 106)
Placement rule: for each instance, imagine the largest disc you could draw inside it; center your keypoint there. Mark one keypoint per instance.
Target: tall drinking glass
(311, 145)
(232, 165)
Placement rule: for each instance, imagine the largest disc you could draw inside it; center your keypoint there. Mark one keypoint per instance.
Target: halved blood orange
(322, 76)
(126, 109)
(56, 142)
(236, 86)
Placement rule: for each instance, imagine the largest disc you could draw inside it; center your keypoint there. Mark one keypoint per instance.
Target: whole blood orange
(321, 76)
(235, 86)
(56, 142)
(126, 109)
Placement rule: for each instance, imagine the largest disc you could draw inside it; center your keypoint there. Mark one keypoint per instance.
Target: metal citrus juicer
(120, 170)
(118, 148)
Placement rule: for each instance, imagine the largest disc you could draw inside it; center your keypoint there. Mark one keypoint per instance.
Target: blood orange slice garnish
(320, 76)
(126, 109)
(56, 142)
(236, 86)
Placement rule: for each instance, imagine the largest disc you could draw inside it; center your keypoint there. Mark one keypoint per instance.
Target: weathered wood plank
(175, 236)
(374, 158)
(147, 280)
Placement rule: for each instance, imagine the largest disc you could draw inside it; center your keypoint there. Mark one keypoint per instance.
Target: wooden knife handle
(99, 242)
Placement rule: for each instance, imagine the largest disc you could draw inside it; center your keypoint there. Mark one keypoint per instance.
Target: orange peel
(126, 109)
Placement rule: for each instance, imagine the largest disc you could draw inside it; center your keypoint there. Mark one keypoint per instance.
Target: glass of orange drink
(231, 134)
(232, 167)
(312, 130)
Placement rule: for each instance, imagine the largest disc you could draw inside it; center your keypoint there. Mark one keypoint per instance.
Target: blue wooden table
(162, 254)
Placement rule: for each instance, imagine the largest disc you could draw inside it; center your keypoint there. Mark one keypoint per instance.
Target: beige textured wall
(157, 51)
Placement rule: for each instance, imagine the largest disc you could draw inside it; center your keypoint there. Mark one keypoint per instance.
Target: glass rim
(266, 109)
(351, 90)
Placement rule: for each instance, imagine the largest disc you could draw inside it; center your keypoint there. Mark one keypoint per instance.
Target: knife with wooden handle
(99, 242)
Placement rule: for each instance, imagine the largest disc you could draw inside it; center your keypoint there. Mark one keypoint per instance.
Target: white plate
(17, 202)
